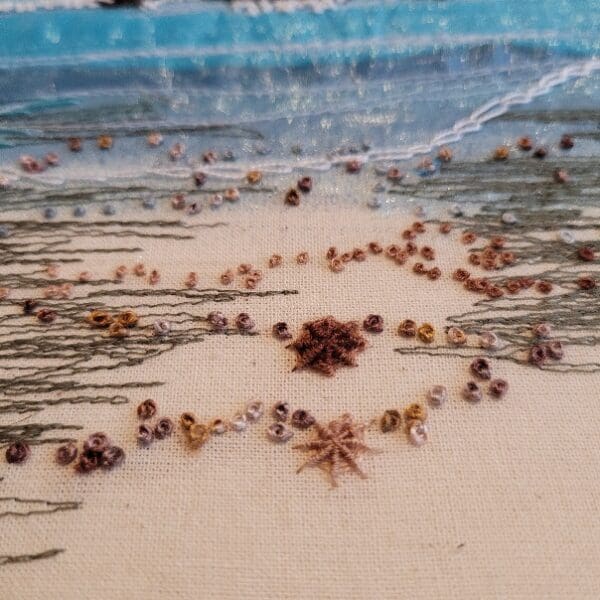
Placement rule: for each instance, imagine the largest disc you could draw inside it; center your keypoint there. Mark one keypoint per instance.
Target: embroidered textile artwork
(243, 238)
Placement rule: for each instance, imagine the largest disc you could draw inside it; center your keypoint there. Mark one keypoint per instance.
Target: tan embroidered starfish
(336, 447)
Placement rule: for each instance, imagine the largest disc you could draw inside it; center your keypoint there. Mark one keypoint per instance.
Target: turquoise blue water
(213, 35)
(392, 78)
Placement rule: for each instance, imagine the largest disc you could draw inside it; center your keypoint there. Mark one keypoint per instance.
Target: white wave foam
(21, 6)
(471, 124)
(255, 7)
(250, 7)
(33, 5)
(493, 109)
(462, 127)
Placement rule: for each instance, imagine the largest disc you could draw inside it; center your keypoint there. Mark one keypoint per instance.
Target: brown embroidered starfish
(326, 344)
(336, 447)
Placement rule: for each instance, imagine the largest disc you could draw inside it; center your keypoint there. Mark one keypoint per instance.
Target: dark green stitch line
(42, 132)
(510, 354)
(41, 242)
(32, 432)
(29, 406)
(50, 506)
(572, 312)
(7, 559)
(81, 350)
(519, 181)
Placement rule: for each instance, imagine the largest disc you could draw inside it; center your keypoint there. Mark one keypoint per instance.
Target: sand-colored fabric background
(501, 503)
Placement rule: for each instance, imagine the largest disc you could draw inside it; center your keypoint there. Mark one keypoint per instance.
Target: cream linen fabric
(501, 503)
